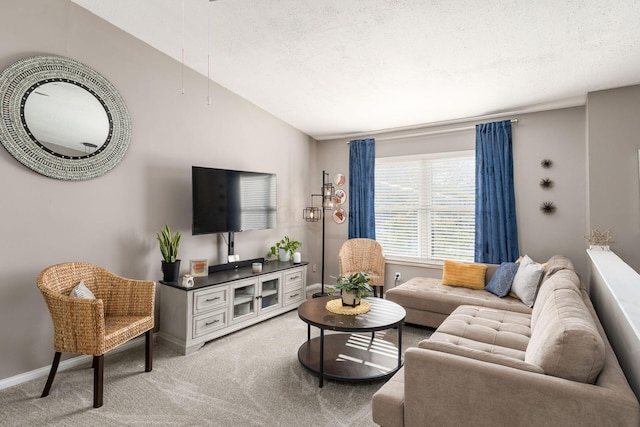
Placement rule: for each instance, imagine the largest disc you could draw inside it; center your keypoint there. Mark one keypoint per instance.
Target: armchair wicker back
(360, 254)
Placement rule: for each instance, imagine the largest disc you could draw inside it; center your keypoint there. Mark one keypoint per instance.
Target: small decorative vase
(284, 255)
(170, 271)
(349, 299)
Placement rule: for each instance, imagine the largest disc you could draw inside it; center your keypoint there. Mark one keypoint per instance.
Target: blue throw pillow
(500, 283)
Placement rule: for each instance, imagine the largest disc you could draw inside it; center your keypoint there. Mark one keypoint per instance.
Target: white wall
(614, 190)
(557, 134)
(112, 220)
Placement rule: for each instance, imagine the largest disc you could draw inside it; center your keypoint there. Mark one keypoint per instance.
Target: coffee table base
(351, 357)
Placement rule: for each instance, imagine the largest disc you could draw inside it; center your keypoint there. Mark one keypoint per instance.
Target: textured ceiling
(337, 67)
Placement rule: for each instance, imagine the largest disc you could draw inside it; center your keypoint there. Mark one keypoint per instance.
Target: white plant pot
(349, 298)
(284, 255)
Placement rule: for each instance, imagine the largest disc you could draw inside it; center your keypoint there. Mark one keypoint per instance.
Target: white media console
(226, 301)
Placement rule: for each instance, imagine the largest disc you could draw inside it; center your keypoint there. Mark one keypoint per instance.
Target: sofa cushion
(428, 294)
(557, 263)
(472, 344)
(387, 407)
(565, 279)
(463, 274)
(565, 341)
(500, 283)
(491, 357)
(525, 283)
(82, 291)
(490, 326)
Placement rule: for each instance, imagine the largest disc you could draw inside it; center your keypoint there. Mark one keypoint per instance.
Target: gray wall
(614, 193)
(558, 135)
(112, 220)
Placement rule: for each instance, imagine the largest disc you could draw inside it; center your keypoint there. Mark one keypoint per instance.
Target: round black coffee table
(355, 355)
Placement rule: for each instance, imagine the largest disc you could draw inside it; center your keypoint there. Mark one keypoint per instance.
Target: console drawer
(293, 279)
(293, 296)
(207, 300)
(208, 323)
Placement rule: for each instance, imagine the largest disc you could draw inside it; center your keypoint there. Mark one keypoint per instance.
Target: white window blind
(425, 206)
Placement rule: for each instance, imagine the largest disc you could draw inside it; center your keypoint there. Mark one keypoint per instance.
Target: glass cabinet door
(244, 298)
(269, 292)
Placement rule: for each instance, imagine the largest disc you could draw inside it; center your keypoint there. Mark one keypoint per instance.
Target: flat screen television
(230, 200)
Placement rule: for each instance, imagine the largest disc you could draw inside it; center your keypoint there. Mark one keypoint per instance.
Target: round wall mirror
(66, 119)
(62, 119)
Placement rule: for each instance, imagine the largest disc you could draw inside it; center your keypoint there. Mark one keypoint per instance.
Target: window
(425, 206)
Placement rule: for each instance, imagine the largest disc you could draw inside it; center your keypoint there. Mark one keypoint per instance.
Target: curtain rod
(433, 132)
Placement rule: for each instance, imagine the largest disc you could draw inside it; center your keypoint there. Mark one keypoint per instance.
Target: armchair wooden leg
(52, 374)
(98, 376)
(148, 351)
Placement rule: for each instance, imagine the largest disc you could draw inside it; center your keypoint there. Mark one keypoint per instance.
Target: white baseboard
(65, 364)
(314, 287)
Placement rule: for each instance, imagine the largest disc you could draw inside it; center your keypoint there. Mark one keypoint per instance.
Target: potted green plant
(169, 249)
(284, 249)
(354, 287)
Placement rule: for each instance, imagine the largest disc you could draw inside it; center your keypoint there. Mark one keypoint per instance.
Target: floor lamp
(313, 214)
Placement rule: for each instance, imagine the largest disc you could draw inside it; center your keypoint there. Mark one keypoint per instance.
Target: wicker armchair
(363, 255)
(121, 311)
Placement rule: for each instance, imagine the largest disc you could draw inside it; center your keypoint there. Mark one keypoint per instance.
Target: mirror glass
(66, 119)
(62, 119)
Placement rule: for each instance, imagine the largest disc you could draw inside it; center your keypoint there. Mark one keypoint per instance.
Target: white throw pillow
(81, 291)
(525, 283)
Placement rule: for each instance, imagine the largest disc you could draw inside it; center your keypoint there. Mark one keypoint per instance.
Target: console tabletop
(226, 276)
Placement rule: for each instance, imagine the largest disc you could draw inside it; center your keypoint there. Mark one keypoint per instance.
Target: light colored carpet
(249, 378)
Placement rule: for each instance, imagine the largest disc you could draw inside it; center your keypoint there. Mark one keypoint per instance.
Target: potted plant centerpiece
(169, 249)
(353, 288)
(284, 249)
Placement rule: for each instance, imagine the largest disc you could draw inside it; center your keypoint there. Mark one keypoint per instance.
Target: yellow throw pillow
(462, 274)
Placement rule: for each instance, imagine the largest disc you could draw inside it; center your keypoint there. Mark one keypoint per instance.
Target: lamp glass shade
(328, 196)
(312, 214)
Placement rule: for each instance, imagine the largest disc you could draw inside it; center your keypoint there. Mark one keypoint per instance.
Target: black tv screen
(229, 200)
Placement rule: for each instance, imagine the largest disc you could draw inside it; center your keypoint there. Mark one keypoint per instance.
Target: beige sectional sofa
(494, 361)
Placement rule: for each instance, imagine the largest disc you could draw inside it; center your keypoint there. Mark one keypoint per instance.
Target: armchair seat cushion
(119, 329)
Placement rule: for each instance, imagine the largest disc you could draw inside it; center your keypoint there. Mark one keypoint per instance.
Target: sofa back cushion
(501, 280)
(527, 279)
(565, 341)
(557, 263)
(565, 279)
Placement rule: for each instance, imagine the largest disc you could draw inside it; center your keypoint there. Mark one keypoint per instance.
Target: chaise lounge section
(496, 361)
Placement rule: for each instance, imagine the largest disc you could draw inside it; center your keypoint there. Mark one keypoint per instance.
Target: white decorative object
(187, 281)
(297, 258)
(349, 298)
(284, 254)
(256, 267)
